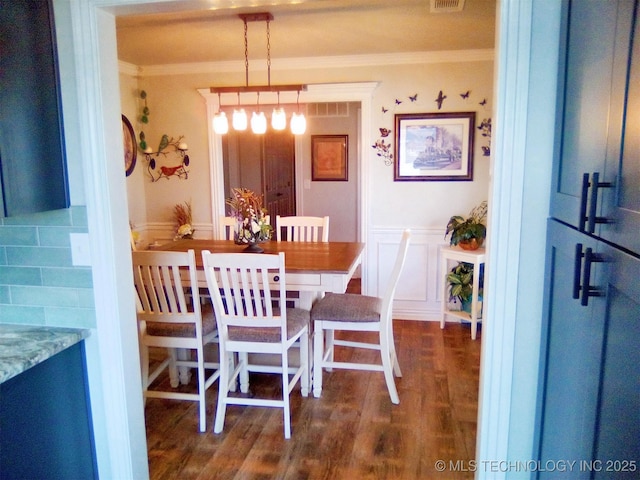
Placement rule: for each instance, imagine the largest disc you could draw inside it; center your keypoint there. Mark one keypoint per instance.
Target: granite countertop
(24, 346)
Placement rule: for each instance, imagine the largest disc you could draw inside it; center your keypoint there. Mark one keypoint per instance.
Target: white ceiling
(194, 31)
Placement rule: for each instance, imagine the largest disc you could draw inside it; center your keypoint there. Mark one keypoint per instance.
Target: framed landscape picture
(434, 146)
(329, 158)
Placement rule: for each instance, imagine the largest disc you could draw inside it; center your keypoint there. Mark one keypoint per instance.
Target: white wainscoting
(420, 286)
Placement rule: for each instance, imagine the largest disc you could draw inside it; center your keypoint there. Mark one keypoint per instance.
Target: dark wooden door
(279, 170)
(264, 164)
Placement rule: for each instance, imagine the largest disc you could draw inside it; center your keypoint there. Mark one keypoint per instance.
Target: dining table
(311, 268)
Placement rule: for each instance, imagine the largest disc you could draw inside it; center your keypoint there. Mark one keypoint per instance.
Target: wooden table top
(300, 257)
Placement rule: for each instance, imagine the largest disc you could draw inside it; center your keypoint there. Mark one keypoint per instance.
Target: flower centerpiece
(183, 221)
(252, 226)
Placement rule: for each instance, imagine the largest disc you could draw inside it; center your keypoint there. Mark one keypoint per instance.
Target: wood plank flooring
(352, 432)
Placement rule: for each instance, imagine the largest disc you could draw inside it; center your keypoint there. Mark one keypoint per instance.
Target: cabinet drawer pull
(587, 289)
(276, 278)
(583, 202)
(593, 205)
(577, 269)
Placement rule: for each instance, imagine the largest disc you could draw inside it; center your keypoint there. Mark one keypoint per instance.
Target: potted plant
(468, 233)
(460, 280)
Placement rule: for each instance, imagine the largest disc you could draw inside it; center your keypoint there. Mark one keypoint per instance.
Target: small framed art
(329, 158)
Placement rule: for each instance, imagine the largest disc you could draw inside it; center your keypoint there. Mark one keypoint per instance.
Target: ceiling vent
(446, 6)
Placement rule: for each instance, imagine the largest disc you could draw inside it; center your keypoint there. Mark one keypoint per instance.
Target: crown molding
(306, 63)
(128, 69)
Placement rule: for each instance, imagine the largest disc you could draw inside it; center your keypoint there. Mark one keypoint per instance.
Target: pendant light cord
(268, 54)
(246, 53)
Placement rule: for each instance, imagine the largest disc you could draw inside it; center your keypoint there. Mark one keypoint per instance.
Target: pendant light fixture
(258, 118)
(278, 117)
(298, 122)
(220, 121)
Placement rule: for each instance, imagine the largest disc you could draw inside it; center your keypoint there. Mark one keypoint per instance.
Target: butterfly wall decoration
(465, 95)
(384, 150)
(413, 98)
(440, 99)
(483, 102)
(385, 110)
(384, 132)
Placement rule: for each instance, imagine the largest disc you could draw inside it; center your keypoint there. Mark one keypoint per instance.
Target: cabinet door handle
(583, 202)
(577, 269)
(593, 205)
(587, 289)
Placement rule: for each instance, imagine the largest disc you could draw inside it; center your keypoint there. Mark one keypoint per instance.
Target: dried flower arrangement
(183, 220)
(252, 225)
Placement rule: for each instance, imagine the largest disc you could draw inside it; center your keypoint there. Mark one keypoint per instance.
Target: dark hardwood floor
(352, 432)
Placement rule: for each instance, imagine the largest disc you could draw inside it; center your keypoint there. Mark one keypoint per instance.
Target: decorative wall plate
(129, 146)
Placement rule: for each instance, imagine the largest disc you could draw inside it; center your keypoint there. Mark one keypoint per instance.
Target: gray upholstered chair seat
(186, 330)
(347, 307)
(297, 319)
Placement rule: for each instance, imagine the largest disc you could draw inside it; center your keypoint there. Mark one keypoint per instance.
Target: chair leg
(184, 373)
(394, 356)
(173, 369)
(243, 358)
(202, 404)
(387, 367)
(223, 390)
(329, 337)
(318, 354)
(305, 387)
(144, 362)
(285, 395)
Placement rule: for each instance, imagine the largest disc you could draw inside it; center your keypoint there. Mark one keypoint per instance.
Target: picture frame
(329, 158)
(129, 146)
(434, 146)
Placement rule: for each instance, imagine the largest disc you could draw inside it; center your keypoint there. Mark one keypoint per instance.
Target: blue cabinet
(589, 391)
(45, 421)
(33, 175)
(598, 147)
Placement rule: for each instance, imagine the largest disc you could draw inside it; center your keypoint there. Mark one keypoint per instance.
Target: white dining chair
(358, 313)
(226, 227)
(248, 322)
(302, 229)
(165, 283)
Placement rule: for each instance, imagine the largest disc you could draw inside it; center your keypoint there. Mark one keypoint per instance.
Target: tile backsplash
(38, 283)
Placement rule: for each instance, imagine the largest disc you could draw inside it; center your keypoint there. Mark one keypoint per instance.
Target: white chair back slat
(302, 229)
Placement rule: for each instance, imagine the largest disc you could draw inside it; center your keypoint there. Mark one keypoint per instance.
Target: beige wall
(178, 109)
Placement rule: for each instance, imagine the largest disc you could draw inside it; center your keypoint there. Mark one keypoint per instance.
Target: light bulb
(258, 122)
(298, 124)
(278, 119)
(220, 123)
(239, 119)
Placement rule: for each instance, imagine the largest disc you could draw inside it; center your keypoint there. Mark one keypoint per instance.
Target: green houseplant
(460, 280)
(468, 233)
